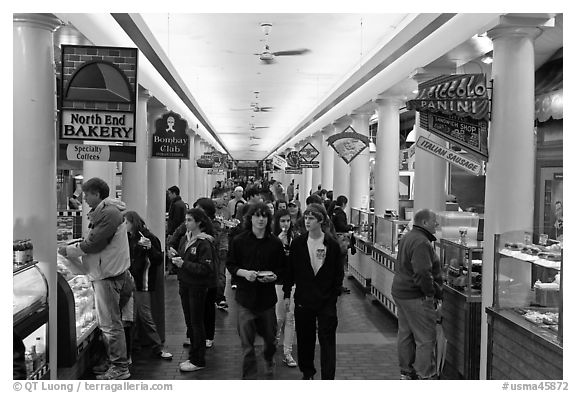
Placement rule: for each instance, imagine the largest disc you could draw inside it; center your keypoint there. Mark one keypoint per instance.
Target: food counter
(461, 307)
(30, 317)
(360, 264)
(387, 232)
(77, 326)
(525, 323)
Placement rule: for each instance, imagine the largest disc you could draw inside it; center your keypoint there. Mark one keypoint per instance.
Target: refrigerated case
(360, 264)
(76, 321)
(462, 303)
(30, 317)
(525, 322)
(387, 232)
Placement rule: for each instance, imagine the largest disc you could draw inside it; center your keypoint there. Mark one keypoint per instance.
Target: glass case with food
(30, 317)
(366, 226)
(462, 265)
(387, 233)
(527, 300)
(355, 219)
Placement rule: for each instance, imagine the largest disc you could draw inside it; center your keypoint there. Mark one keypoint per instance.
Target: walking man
(256, 258)
(416, 289)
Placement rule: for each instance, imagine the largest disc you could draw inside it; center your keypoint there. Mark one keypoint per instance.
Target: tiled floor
(366, 346)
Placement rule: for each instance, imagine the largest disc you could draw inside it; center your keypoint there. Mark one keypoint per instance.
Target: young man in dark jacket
(256, 258)
(315, 266)
(177, 211)
(416, 288)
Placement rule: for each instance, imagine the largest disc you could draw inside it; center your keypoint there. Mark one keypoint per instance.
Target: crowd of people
(286, 264)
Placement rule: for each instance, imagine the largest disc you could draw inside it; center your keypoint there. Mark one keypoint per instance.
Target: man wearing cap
(238, 193)
(315, 266)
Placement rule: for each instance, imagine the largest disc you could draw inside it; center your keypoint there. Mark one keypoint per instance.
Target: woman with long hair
(196, 273)
(285, 312)
(295, 214)
(145, 258)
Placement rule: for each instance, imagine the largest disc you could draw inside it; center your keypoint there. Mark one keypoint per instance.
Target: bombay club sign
(170, 139)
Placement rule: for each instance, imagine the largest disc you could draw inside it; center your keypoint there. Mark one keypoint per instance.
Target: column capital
(384, 101)
(424, 74)
(510, 30)
(144, 93)
(44, 21)
(328, 130)
(342, 122)
(361, 115)
(402, 91)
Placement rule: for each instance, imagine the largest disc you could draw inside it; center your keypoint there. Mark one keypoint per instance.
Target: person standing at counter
(416, 289)
(106, 260)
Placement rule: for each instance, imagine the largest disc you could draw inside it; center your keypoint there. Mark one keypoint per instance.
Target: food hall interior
(250, 88)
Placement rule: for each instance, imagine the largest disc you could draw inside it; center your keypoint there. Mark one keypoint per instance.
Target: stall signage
(452, 157)
(348, 144)
(308, 154)
(98, 90)
(84, 152)
(463, 95)
(170, 139)
(293, 161)
(279, 162)
(469, 133)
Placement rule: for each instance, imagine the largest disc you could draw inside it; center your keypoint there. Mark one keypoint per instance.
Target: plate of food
(266, 273)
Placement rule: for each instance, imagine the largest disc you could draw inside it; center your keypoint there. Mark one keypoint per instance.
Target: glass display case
(354, 217)
(525, 323)
(528, 281)
(76, 313)
(30, 317)
(457, 225)
(462, 265)
(365, 228)
(388, 231)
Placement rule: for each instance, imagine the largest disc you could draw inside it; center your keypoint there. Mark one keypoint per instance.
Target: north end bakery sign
(456, 108)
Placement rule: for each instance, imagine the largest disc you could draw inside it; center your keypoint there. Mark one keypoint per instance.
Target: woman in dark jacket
(145, 257)
(196, 273)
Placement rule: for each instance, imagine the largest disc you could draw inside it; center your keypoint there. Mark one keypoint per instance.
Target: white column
(341, 169)
(316, 141)
(509, 202)
(135, 174)
(172, 170)
(34, 142)
(386, 175)
(327, 163)
(183, 181)
(191, 167)
(156, 208)
(200, 172)
(360, 166)
(429, 170)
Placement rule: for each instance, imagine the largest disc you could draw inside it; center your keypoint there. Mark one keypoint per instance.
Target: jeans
(252, 322)
(306, 336)
(193, 303)
(285, 320)
(416, 337)
(107, 302)
(144, 323)
(210, 313)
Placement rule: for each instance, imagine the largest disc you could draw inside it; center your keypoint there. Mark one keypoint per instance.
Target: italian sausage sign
(452, 157)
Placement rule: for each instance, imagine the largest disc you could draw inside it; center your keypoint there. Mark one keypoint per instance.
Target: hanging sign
(348, 143)
(308, 153)
(206, 160)
(279, 162)
(293, 160)
(452, 157)
(84, 152)
(456, 108)
(170, 139)
(98, 95)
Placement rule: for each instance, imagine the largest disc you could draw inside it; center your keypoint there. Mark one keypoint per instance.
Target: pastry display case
(365, 231)
(387, 233)
(30, 317)
(76, 313)
(525, 323)
(462, 265)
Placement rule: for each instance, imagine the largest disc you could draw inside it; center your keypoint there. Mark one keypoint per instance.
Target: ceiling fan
(256, 108)
(267, 56)
(253, 127)
(254, 137)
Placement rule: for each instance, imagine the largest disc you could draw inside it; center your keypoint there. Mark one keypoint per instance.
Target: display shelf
(388, 231)
(527, 307)
(462, 266)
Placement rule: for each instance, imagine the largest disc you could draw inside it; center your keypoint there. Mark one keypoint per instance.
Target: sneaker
(164, 355)
(409, 377)
(222, 305)
(209, 343)
(187, 366)
(269, 367)
(186, 342)
(115, 373)
(289, 360)
(234, 286)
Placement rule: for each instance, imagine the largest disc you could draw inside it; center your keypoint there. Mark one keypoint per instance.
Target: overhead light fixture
(487, 59)
(266, 27)
(411, 137)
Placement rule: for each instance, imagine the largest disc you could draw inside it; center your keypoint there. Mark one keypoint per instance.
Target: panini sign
(452, 157)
